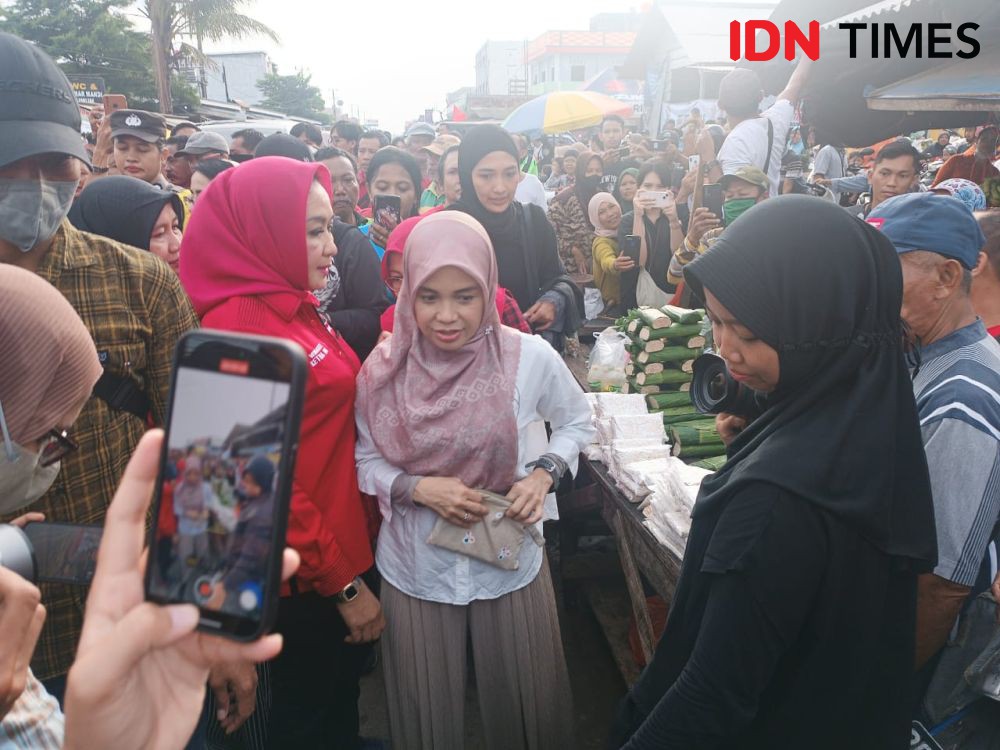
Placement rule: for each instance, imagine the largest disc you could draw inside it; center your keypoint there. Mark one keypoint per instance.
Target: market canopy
(560, 111)
(965, 85)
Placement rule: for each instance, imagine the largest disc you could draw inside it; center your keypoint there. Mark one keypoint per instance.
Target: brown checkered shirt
(134, 307)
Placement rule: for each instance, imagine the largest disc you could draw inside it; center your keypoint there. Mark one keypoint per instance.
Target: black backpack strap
(123, 394)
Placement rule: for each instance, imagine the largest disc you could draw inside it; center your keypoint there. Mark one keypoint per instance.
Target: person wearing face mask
(48, 365)
(568, 214)
(257, 246)
(134, 213)
(135, 659)
(741, 191)
(131, 303)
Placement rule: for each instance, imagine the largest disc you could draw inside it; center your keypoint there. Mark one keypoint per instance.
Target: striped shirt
(958, 401)
(34, 722)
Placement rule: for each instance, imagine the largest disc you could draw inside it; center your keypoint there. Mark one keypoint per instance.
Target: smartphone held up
(225, 479)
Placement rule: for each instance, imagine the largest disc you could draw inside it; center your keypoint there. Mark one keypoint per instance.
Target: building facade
(500, 69)
(565, 60)
(234, 76)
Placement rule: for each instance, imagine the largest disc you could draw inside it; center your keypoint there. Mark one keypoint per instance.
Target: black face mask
(592, 184)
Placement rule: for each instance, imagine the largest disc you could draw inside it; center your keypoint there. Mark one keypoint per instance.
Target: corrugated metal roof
(869, 12)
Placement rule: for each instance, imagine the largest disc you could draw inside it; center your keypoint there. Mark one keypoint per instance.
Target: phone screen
(387, 210)
(64, 553)
(225, 479)
(712, 199)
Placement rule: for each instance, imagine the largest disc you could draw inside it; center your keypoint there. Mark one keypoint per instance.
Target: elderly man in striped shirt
(957, 386)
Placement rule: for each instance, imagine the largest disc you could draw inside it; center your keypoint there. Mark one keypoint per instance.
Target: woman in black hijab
(133, 212)
(793, 621)
(523, 240)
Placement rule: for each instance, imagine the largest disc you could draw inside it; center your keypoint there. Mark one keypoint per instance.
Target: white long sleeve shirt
(545, 391)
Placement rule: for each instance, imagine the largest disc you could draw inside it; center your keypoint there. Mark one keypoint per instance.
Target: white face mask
(32, 210)
(22, 480)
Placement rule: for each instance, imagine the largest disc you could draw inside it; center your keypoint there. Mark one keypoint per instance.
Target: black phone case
(631, 247)
(286, 470)
(712, 199)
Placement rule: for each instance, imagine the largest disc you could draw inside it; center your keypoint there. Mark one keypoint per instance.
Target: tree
(93, 37)
(293, 95)
(172, 20)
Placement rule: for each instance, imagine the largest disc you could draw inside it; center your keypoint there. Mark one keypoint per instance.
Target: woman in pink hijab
(454, 402)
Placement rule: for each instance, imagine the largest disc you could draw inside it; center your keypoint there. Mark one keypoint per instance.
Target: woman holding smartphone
(654, 220)
(258, 244)
(425, 464)
(391, 172)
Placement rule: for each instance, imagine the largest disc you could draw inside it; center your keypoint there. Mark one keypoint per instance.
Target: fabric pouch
(647, 293)
(495, 539)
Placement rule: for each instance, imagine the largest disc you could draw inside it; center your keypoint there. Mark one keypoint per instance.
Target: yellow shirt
(606, 276)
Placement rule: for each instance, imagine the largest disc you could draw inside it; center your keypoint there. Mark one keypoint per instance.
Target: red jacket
(327, 523)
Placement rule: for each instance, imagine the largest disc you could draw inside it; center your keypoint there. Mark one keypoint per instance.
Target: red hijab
(247, 236)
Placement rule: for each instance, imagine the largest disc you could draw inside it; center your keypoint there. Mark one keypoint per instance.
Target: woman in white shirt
(455, 402)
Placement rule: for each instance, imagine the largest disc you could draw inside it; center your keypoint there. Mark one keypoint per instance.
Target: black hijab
(123, 209)
(841, 429)
(480, 141)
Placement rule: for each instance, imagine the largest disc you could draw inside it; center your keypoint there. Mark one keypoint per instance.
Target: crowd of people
(434, 281)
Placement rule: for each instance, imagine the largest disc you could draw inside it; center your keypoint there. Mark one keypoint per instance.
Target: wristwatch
(350, 592)
(550, 467)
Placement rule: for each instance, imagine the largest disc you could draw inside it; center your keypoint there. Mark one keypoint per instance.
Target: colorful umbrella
(560, 111)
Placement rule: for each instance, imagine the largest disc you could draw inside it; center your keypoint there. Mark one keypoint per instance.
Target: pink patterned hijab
(440, 413)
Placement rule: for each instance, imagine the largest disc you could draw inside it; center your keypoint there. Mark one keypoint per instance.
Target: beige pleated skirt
(521, 677)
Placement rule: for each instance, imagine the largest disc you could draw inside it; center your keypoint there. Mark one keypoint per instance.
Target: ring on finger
(466, 516)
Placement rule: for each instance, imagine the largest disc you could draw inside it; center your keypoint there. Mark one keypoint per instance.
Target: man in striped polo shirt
(957, 387)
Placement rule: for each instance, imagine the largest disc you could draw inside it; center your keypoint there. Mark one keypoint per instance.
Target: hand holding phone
(225, 482)
(135, 659)
(712, 198)
(656, 198)
(114, 102)
(387, 211)
(694, 162)
(631, 248)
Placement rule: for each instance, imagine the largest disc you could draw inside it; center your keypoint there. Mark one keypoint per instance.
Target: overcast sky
(391, 59)
(210, 404)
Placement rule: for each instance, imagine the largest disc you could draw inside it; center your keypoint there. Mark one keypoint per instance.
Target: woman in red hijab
(258, 243)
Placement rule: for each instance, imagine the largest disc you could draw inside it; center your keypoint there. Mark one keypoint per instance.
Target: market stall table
(641, 554)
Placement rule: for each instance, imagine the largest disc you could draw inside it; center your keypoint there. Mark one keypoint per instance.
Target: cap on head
(747, 173)
(204, 142)
(38, 111)
(146, 126)
(420, 128)
(441, 144)
(262, 470)
(935, 223)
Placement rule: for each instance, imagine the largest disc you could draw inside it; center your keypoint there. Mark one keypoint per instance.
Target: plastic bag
(593, 303)
(608, 358)
(647, 293)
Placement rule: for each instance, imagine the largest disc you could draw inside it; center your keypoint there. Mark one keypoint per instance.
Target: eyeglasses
(395, 283)
(54, 445)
